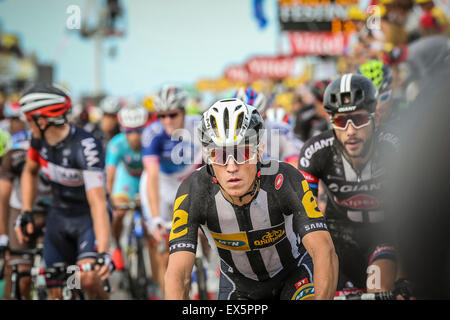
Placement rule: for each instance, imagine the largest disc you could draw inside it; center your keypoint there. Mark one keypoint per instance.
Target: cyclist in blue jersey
(124, 166)
(77, 228)
(167, 161)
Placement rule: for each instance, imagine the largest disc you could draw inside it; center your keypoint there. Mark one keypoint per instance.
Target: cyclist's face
(355, 141)
(236, 179)
(108, 122)
(171, 120)
(134, 140)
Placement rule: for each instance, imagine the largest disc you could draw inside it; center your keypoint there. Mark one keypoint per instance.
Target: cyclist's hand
(104, 265)
(24, 226)
(157, 229)
(404, 290)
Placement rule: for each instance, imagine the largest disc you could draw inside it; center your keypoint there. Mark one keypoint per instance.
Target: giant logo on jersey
(180, 219)
(313, 148)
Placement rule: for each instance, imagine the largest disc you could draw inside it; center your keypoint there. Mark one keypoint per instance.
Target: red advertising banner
(237, 73)
(318, 43)
(270, 67)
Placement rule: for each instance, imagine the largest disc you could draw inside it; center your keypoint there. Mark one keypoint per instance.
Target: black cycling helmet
(349, 93)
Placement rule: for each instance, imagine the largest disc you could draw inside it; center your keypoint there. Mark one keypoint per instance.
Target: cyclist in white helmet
(167, 161)
(124, 167)
(272, 241)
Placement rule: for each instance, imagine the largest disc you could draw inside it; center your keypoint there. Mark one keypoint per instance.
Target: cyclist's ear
(261, 148)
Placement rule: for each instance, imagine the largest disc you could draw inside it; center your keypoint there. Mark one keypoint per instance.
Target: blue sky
(168, 41)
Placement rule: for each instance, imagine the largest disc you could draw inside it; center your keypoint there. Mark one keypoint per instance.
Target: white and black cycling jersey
(256, 240)
(353, 196)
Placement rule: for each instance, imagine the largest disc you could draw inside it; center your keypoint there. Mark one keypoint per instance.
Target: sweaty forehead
(351, 113)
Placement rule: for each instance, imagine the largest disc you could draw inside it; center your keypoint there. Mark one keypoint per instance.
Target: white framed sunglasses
(358, 120)
(240, 154)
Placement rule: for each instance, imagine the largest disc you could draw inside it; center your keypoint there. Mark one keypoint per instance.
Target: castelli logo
(279, 181)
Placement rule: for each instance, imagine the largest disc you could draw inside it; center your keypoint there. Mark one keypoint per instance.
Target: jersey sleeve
(91, 161)
(33, 150)
(185, 224)
(113, 152)
(150, 143)
(297, 199)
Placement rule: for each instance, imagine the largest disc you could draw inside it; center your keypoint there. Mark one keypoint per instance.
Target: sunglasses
(172, 115)
(240, 154)
(385, 96)
(358, 121)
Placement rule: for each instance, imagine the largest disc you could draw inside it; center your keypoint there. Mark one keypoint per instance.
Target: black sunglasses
(170, 115)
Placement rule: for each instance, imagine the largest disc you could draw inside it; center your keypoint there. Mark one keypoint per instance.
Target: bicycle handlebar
(389, 295)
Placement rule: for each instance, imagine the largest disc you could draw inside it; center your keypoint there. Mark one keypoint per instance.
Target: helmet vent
(226, 120)
(239, 121)
(213, 121)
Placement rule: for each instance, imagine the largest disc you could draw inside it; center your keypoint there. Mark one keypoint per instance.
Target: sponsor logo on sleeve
(279, 181)
(304, 292)
(180, 220)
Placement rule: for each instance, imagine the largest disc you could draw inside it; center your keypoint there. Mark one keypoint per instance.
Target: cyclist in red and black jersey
(78, 220)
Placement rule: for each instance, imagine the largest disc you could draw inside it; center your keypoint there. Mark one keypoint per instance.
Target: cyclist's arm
(178, 275)
(152, 169)
(110, 176)
(321, 249)
(97, 203)
(94, 184)
(309, 223)
(28, 180)
(6, 185)
(5, 194)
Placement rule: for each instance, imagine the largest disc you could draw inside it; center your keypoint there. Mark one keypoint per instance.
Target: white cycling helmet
(276, 115)
(230, 122)
(170, 98)
(110, 105)
(133, 117)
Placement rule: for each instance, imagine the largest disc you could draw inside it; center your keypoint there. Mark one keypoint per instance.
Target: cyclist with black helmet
(78, 219)
(349, 160)
(261, 217)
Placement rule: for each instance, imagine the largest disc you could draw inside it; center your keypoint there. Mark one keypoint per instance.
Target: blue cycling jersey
(119, 151)
(177, 154)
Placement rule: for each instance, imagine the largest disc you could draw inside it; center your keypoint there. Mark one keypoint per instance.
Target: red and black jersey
(72, 166)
